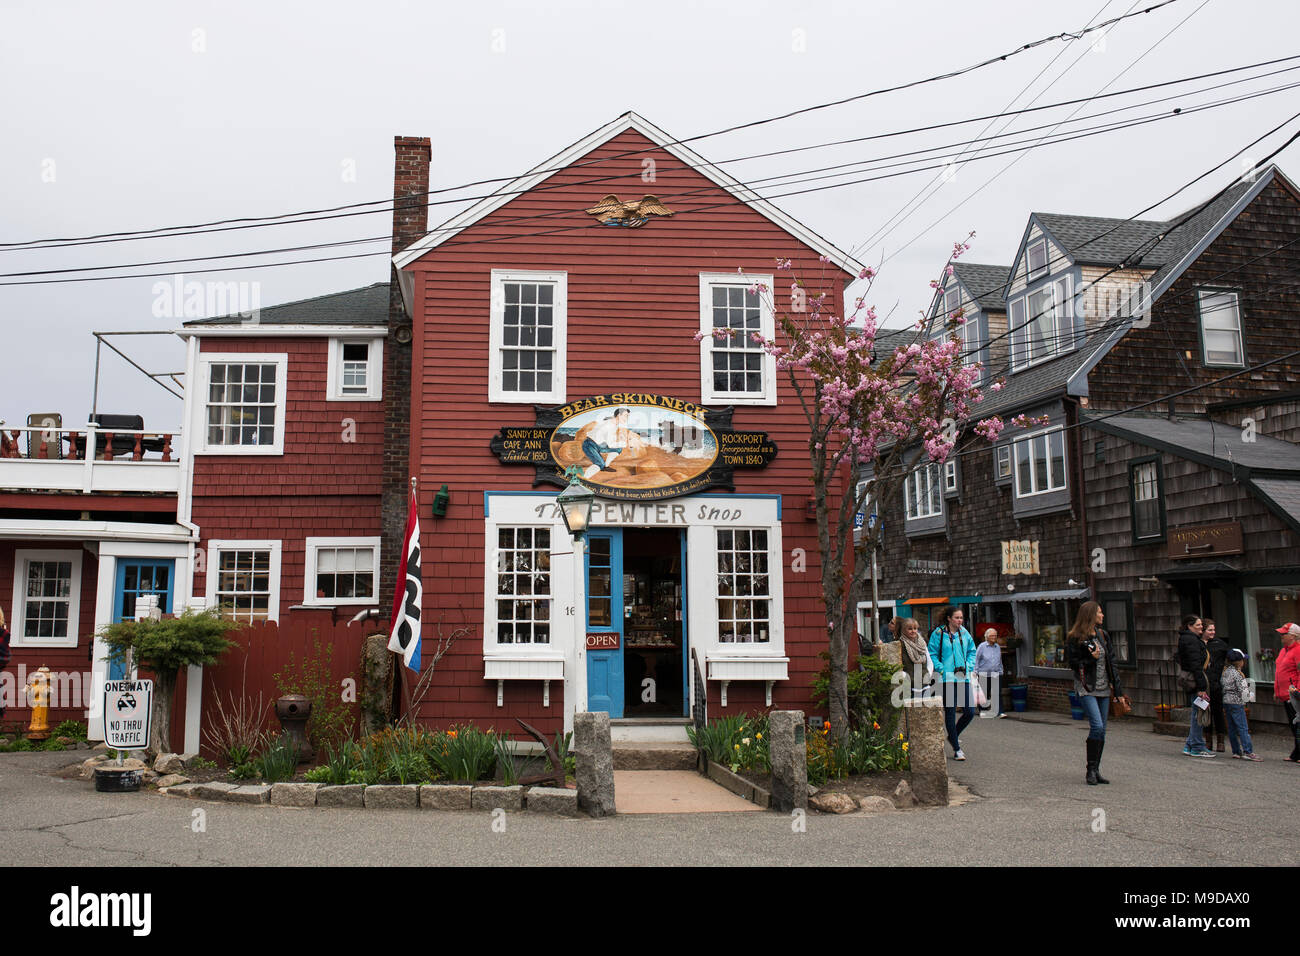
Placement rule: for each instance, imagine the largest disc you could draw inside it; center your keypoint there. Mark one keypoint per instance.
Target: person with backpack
(1096, 681)
(1192, 658)
(953, 651)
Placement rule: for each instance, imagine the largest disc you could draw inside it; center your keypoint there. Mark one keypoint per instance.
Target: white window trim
(374, 370)
(767, 328)
(199, 409)
(309, 572)
(496, 337)
(1200, 319)
(213, 562)
(773, 571)
(18, 609)
(950, 476)
(908, 492)
(492, 648)
(997, 463)
(1020, 333)
(1032, 274)
(1027, 440)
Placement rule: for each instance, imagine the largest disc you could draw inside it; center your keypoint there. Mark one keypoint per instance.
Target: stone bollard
(788, 744)
(594, 758)
(891, 653)
(922, 723)
(376, 684)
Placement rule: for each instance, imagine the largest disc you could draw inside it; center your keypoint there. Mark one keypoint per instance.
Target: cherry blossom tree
(871, 413)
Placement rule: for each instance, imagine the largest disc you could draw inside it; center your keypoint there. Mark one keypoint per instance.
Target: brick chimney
(410, 222)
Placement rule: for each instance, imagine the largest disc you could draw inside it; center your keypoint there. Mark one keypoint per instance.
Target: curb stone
(497, 798)
(392, 797)
(294, 794)
(449, 797)
(344, 795)
(552, 800)
(250, 793)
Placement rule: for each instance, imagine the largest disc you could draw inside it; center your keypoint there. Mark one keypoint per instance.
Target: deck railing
(89, 459)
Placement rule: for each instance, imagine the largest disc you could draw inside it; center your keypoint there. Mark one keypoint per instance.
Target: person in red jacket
(1286, 680)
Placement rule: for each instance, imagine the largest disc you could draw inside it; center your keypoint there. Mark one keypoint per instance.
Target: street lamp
(575, 507)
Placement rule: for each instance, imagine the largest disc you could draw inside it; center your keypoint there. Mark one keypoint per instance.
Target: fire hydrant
(38, 692)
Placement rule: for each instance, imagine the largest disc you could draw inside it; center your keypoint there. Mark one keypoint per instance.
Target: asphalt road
(1030, 806)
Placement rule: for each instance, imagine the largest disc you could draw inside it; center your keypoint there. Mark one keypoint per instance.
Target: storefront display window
(1266, 610)
(1049, 623)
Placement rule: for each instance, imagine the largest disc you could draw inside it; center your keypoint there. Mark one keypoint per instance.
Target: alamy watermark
(178, 299)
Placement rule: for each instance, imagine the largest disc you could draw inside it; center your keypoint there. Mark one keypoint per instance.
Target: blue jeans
(957, 694)
(1238, 731)
(1097, 710)
(1195, 739)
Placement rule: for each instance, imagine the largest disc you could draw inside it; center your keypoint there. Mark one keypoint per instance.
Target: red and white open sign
(603, 640)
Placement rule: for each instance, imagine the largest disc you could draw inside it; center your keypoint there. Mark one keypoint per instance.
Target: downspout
(1072, 417)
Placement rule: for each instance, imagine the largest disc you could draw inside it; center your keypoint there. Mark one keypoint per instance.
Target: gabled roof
(367, 306)
(1096, 241)
(984, 283)
(582, 147)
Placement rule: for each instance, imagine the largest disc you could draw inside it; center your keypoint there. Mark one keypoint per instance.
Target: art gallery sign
(634, 446)
(1020, 557)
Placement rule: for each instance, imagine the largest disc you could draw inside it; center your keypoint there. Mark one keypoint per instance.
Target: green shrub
(870, 688)
(52, 743)
(736, 741)
(278, 759)
(319, 774)
(244, 771)
(70, 728)
(568, 761)
(465, 754)
(201, 763)
(338, 765)
(313, 678)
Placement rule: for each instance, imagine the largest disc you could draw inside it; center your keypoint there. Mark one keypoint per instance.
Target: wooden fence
(263, 650)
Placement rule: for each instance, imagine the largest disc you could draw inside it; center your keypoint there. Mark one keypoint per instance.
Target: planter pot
(293, 711)
(112, 780)
(1019, 698)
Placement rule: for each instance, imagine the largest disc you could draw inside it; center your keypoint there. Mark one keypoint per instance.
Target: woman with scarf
(915, 657)
(1095, 681)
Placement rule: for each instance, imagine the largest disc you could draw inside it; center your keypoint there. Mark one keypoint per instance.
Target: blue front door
(604, 619)
(136, 577)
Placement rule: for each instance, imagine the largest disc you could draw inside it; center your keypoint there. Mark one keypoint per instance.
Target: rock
(148, 776)
(876, 805)
(344, 795)
(833, 803)
(498, 798)
(91, 764)
(923, 725)
(392, 797)
(445, 797)
(83, 744)
(216, 790)
(168, 763)
(903, 797)
(552, 800)
(249, 793)
(788, 746)
(294, 794)
(67, 741)
(594, 761)
(188, 758)
(100, 748)
(181, 790)
(171, 780)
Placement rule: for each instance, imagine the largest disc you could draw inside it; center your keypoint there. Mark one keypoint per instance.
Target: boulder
(171, 780)
(168, 763)
(188, 758)
(181, 790)
(216, 790)
(876, 805)
(923, 726)
(903, 797)
(833, 803)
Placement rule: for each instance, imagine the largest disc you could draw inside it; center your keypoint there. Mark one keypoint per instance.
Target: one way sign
(127, 706)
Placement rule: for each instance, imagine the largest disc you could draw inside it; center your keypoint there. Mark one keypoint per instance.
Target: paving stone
(449, 797)
(552, 800)
(249, 793)
(294, 794)
(494, 798)
(392, 797)
(345, 795)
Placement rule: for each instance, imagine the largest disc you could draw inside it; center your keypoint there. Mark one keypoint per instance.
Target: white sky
(137, 128)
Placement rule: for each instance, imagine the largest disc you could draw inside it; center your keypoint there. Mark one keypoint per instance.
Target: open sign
(603, 640)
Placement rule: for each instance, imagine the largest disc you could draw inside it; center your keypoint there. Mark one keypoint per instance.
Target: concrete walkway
(673, 791)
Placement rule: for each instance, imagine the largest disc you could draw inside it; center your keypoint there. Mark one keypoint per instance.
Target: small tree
(867, 411)
(165, 646)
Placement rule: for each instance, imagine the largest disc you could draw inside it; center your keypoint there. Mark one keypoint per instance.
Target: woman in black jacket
(1095, 680)
(1218, 650)
(1192, 659)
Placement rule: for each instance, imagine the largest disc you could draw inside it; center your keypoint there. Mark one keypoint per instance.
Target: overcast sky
(139, 115)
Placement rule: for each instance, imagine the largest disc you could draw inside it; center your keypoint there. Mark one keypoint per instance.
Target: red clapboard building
(553, 326)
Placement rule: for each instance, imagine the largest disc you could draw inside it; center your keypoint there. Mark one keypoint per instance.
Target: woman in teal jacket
(953, 651)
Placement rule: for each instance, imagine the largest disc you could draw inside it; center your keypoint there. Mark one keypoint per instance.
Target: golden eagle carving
(611, 211)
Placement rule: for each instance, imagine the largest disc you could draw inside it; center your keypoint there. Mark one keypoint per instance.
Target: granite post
(594, 757)
(789, 752)
(922, 724)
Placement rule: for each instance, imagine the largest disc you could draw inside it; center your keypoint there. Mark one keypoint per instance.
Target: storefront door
(604, 634)
(134, 578)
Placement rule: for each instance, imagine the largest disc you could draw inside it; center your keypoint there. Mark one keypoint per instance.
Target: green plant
(338, 765)
(234, 731)
(465, 753)
(202, 763)
(404, 756)
(313, 678)
(52, 743)
(278, 759)
(736, 741)
(70, 728)
(567, 760)
(870, 689)
(319, 774)
(507, 764)
(21, 744)
(165, 646)
(243, 771)
(237, 754)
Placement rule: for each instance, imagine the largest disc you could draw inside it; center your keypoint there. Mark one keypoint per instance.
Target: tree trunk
(164, 689)
(838, 691)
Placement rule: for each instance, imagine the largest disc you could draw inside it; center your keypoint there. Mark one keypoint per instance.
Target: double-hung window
(1040, 463)
(1147, 500)
(47, 598)
(734, 369)
(244, 579)
(523, 588)
(355, 370)
(923, 493)
(242, 412)
(528, 336)
(1042, 323)
(1221, 338)
(1036, 259)
(341, 571)
(744, 588)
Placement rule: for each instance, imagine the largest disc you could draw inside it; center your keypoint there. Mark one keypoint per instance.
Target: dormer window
(1042, 323)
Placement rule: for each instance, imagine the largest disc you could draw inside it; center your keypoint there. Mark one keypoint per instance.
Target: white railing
(89, 459)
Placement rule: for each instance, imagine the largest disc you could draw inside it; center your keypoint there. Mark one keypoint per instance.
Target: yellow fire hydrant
(38, 692)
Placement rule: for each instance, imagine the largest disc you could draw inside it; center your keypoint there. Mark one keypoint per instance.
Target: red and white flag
(405, 634)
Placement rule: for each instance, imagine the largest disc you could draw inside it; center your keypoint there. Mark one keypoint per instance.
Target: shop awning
(1074, 595)
(938, 600)
(966, 599)
(1198, 569)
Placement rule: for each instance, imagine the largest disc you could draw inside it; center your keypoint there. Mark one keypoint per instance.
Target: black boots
(1095, 748)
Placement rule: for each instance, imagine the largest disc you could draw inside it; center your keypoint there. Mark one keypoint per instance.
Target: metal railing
(89, 459)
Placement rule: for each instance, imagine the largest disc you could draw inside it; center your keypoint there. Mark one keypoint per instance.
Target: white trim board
(566, 157)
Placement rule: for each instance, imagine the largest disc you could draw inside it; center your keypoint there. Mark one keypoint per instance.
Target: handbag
(1186, 680)
(1120, 707)
(1204, 717)
(981, 699)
